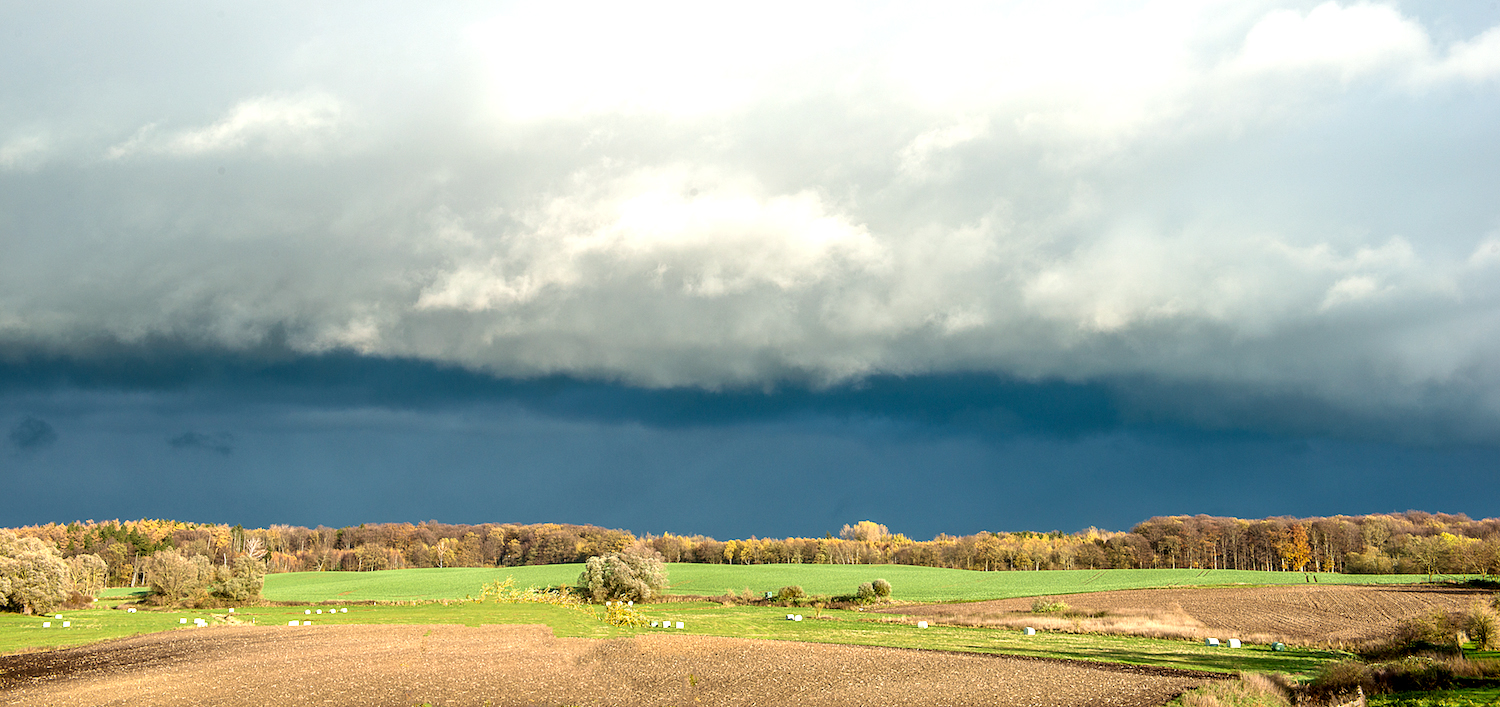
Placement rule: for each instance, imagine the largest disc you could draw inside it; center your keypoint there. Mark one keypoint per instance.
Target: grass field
(913, 584)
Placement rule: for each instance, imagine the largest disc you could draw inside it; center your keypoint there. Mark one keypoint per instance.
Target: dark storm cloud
(221, 443)
(31, 434)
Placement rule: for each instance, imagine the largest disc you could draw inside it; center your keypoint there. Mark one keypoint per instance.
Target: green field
(913, 584)
(425, 596)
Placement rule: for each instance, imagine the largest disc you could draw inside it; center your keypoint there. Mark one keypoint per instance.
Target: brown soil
(527, 665)
(1302, 614)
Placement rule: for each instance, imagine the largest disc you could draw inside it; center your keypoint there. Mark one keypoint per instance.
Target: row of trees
(1411, 542)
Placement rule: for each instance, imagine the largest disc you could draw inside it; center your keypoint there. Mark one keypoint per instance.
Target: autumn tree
(636, 574)
(33, 577)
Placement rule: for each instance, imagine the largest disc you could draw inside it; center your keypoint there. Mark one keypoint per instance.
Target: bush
(1482, 628)
(865, 594)
(1043, 605)
(634, 575)
(33, 578)
(178, 579)
(791, 593)
(882, 588)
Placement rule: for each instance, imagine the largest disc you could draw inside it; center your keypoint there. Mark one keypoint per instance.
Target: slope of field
(1301, 614)
(516, 665)
(918, 584)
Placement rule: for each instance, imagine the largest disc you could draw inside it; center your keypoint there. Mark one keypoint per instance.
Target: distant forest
(1413, 542)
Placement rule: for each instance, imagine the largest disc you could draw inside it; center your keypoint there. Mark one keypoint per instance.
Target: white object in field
(1030, 631)
(653, 624)
(67, 624)
(58, 616)
(343, 611)
(1234, 643)
(921, 624)
(1211, 642)
(770, 594)
(306, 623)
(679, 624)
(293, 622)
(46, 624)
(788, 617)
(320, 611)
(231, 610)
(606, 603)
(630, 603)
(130, 610)
(307, 611)
(798, 617)
(182, 621)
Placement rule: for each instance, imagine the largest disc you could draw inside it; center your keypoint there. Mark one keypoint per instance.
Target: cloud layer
(1268, 199)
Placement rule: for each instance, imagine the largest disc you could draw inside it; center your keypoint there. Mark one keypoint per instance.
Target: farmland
(381, 609)
(911, 583)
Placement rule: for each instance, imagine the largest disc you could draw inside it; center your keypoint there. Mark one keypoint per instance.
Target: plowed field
(526, 665)
(1309, 614)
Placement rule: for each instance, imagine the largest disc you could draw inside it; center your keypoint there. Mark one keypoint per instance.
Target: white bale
(58, 616)
(46, 624)
(130, 610)
(231, 610)
(798, 617)
(1030, 631)
(293, 622)
(921, 624)
(630, 603)
(653, 624)
(307, 611)
(1234, 643)
(343, 611)
(788, 617)
(679, 624)
(1211, 642)
(67, 624)
(182, 621)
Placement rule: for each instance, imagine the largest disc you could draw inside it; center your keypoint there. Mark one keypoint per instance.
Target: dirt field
(1307, 614)
(526, 665)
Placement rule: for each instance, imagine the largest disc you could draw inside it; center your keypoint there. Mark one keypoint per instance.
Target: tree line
(1410, 542)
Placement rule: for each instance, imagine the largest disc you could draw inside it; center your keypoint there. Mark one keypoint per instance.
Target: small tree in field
(637, 575)
(882, 588)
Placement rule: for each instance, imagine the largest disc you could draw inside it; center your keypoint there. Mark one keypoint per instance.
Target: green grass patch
(1466, 697)
(914, 584)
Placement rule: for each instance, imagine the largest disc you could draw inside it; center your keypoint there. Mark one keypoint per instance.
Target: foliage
(178, 579)
(632, 575)
(506, 592)
(865, 593)
(88, 574)
(33, 577)
(1045, 605)
(791, 593)
(620, 615)
(882, 588)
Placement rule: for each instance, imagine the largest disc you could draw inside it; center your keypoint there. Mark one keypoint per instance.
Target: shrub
(791, 593)
(865, 593)
(1482, 628)
(634, 575)
(178, 579)
(1044, 605)
(882, 588)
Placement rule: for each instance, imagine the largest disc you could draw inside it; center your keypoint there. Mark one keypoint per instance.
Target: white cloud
(275, 124)
(1345, 40)
(22, 152)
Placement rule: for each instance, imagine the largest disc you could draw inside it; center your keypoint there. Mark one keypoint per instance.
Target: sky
(748, 269)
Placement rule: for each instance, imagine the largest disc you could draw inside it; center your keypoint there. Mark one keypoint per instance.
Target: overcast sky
(768, 268)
